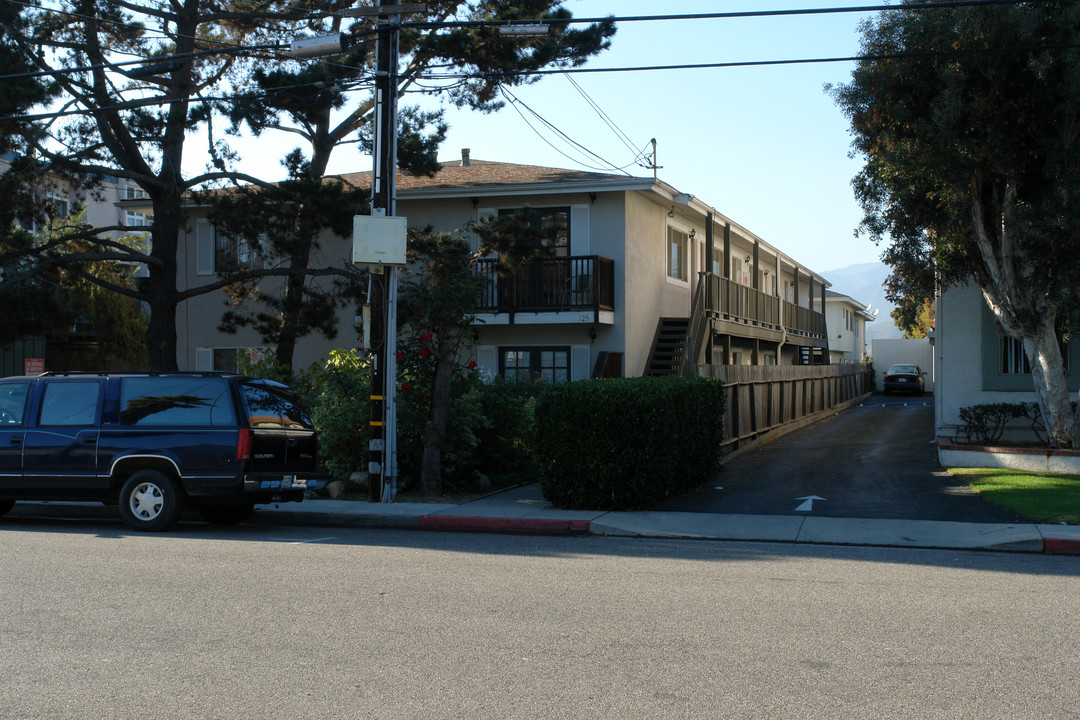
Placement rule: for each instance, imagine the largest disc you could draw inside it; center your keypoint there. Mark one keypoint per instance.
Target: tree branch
(255, 274)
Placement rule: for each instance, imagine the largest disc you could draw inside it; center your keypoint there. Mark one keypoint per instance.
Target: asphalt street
(876, 460)
(285, 623)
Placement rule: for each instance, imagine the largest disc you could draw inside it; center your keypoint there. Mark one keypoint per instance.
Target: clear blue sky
(765, 146)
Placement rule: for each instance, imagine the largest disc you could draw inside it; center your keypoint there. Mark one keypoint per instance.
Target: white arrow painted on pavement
(807, 506)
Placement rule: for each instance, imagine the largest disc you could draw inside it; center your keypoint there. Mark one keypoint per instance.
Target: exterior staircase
(669, 347)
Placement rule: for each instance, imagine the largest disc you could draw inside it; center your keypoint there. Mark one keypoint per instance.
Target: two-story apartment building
(644, 279)
(56, 199)
(846, 319)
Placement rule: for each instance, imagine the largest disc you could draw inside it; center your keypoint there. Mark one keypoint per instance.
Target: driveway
(877, 460)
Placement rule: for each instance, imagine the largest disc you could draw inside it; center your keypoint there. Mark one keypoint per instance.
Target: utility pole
(382, 453)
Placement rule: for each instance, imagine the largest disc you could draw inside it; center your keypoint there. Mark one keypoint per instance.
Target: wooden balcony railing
(728, 299)
(576, 283)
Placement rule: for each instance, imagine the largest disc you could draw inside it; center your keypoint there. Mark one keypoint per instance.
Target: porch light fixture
(693, 233)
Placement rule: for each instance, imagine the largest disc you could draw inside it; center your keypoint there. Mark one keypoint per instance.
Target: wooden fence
(763, 398)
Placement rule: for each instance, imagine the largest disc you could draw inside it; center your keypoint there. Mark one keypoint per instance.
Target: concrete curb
(521, 518)
(1060, 539)
(518, 525)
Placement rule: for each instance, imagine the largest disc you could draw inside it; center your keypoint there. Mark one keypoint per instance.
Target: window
(232, 253)
(678, 243)
(553, 217)
(231, 359)
(135, 219)
(552, 364)
(13, 402)
(69, 403)
(175, 402)
(1014, 361)
(274, 406)
(52, 210)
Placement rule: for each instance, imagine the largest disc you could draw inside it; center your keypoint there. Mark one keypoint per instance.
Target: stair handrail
(694, 352)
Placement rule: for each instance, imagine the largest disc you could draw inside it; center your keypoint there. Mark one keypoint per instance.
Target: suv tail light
(243, 444)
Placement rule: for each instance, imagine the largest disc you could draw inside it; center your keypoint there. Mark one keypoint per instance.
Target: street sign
(33, 366)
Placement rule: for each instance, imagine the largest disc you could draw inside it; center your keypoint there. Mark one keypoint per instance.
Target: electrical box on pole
(379, 241)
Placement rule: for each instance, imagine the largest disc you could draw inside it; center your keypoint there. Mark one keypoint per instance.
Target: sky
(765, 146)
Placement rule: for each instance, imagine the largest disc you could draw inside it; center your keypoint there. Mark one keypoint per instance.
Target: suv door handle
(15, 440)
(90, 440)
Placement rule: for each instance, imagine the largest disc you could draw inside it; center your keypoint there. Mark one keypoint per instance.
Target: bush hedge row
(627, 443)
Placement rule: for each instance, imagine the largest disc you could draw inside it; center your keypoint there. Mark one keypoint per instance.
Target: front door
(13, 397)
(60, 449)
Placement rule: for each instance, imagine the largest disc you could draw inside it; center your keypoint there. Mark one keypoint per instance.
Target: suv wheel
(150, 501)
(226, 514)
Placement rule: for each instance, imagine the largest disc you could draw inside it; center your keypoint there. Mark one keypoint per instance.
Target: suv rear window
(274, 406)
(70, 404)
(176, 401)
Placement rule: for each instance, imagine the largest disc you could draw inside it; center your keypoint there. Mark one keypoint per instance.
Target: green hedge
(628, 443)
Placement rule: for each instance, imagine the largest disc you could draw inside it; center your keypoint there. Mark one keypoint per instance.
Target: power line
(603, 115)
(161, 102)
(641, 68)
(760, 63)
(608, 165)
(717, 16)
(553, 21)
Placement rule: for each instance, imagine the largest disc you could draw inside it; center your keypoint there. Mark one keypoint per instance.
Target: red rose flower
(472, 364)
(399, 355)
(426, 337)
(405, 386)
(424, 352)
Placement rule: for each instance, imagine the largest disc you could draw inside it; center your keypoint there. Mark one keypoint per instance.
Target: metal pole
(381, 447)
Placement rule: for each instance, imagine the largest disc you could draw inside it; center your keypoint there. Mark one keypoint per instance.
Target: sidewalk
(524, 510)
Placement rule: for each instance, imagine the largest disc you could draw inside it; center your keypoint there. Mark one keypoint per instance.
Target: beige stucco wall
(198, 318)
(844, 344)
(958, 357)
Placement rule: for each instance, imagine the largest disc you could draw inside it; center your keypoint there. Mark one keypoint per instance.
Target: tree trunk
(1051, 386)
(161, 327)
(435, 428)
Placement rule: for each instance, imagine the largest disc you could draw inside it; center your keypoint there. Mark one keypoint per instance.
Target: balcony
(727, 300)
(561, 289)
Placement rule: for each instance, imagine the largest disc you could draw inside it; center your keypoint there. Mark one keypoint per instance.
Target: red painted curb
(532, 526)
(1061, 546)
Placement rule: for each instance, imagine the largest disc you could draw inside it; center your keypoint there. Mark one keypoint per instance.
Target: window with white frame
(135, 219)
(678, 254)
(521, 364)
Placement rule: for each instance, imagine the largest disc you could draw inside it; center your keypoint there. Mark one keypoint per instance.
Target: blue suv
(155, 443)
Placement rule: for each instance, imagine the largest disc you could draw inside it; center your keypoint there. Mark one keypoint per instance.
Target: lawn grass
(1041, 497)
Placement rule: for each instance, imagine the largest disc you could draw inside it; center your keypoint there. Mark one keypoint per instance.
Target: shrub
(337, 397)
(506, 438)
(986, 422)
(628, 443)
